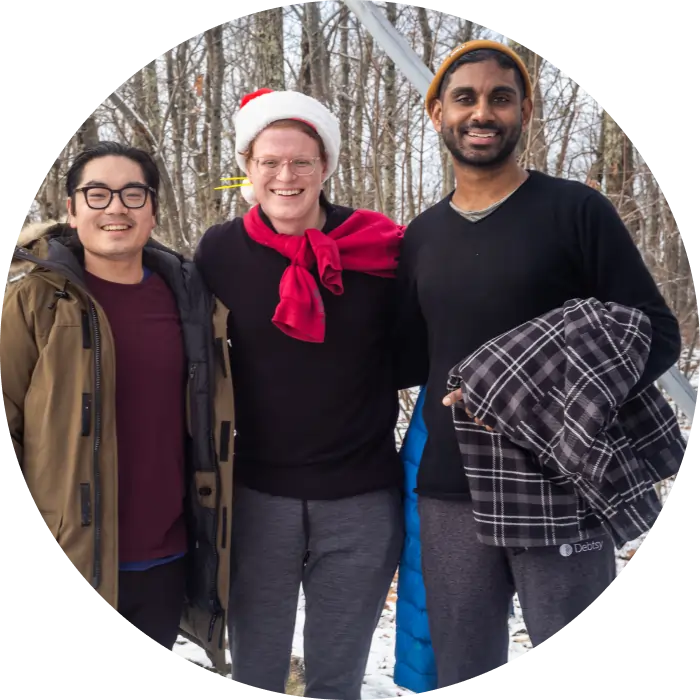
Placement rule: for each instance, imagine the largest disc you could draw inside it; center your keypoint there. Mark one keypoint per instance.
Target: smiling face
(481, 114)
(117, 232)
(285, 196)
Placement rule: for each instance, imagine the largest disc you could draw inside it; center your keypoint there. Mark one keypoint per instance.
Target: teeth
(481, 136)
(285, 193)
(115, 227)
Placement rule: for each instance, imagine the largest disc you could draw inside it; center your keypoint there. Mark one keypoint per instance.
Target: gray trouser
(344, 553)
(469, 586)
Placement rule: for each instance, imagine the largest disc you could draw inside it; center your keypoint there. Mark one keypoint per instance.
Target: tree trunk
(595, 174)
(88, 135)
(427, 37)
(317, 58)
(215, 80)
(269, 49)
(344, 107)
(408, 197)
(359, 193)
(533, 146)
(390, 117)
(570, 111)
(618, 163)
(175, 66)
(466, 31)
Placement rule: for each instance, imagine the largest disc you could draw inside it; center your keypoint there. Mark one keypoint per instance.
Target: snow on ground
(378, 682)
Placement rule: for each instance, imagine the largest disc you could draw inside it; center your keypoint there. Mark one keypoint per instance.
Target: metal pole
(680, 390)
(394, 45)
(410, 64)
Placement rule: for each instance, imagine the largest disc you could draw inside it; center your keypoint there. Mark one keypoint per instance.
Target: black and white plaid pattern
(568, 456)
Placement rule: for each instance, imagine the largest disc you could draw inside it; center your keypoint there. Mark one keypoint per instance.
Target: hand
(455, 397)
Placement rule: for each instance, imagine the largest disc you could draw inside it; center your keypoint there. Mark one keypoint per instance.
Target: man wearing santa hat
(311, 291)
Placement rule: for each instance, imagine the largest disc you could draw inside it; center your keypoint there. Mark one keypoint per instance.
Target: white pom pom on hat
(261, 108)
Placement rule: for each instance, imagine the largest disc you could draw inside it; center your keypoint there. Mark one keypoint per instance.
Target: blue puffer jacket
(415, 663)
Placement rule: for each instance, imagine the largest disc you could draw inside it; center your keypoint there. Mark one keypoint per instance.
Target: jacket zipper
(213, 593)
(97, 565)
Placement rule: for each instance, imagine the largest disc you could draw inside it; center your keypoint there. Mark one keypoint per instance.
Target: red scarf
(365, 242)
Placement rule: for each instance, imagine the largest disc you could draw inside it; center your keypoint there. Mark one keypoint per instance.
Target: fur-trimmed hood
(36, 231)
(34, 239)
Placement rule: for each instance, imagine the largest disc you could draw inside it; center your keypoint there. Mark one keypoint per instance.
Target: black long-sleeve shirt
(463, 283)
(313, 420)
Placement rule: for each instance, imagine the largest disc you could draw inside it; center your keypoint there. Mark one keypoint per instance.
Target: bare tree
(388, 165)
(269, 49)
(181, 108)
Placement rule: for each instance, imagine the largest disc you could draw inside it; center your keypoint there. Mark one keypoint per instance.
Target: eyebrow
(99, 183)
(271, 157)
(463, 90)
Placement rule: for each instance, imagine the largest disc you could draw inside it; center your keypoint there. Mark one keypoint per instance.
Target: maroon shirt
(150, 410)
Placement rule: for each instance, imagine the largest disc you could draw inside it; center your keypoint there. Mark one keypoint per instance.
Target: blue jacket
(415, 663)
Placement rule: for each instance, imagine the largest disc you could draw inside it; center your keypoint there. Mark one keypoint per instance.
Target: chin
(290, 209)
(119, 252)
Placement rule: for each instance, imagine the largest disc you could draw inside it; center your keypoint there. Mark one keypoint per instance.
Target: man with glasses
(120, 417)
(318, 504)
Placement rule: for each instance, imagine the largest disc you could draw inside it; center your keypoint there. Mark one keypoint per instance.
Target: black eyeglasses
(132, 196)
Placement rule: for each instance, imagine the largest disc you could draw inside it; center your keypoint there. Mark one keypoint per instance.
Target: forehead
(482, 77)
(284, 141)
(112, 170)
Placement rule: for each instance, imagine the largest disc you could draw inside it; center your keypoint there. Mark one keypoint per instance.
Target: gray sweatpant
(469, 587)
(344, 553)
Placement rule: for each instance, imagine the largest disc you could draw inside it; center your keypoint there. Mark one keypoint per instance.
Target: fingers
(455, 397)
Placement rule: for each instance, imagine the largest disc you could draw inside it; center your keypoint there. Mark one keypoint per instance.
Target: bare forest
(181, 108)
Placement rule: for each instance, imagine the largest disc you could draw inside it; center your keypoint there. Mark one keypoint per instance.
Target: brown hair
(292, 124)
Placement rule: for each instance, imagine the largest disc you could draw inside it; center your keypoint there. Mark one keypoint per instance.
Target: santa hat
(261, 108)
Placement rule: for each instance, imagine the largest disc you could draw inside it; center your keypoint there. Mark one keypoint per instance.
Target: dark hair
(479, 56)
(112, 148)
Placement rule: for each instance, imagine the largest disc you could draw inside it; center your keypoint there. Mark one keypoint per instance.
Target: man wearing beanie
(311, 290)
(506, 246)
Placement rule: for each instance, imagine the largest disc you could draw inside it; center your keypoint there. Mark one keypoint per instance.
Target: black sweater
(463, 283)
(313, 420)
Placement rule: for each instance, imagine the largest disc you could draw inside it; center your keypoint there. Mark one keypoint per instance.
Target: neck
(315, 218)
(125, 271)
(479, 187)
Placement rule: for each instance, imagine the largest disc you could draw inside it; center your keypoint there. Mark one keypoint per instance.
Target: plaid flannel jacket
(564, 454)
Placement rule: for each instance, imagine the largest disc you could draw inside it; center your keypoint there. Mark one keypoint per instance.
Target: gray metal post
(393, 44)
(410, 64)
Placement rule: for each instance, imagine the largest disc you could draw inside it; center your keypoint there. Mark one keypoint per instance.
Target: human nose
(286, 174)
(482, 111)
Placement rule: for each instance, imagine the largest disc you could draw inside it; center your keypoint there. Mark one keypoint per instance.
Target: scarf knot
(365, 242)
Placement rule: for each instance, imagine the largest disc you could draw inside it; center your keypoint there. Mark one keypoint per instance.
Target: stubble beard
(451, 139)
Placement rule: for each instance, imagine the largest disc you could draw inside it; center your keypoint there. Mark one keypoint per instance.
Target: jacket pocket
(224, 440)
(85, 505)
(86, 415)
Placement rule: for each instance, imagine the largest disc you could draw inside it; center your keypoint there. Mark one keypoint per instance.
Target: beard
(476, 157)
